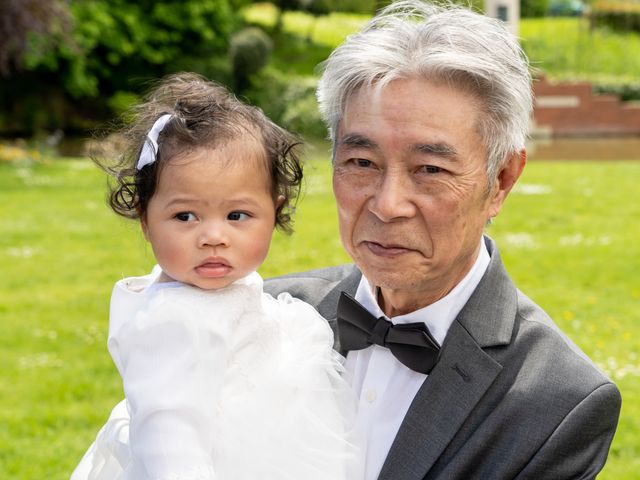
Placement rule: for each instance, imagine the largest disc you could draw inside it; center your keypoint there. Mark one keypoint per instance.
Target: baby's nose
(213, 234)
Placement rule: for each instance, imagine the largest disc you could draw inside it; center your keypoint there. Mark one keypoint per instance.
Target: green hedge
(621, 15)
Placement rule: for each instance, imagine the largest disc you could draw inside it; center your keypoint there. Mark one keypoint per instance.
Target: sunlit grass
(568, 235)
(563, 47)
(570, 48)
(328, 30)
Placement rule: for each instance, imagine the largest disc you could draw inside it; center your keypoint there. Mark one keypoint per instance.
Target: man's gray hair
(442, 43)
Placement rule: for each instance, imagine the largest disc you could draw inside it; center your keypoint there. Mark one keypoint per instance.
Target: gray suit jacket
(511, 396)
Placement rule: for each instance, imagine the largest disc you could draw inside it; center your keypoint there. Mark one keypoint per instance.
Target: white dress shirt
(385, 387)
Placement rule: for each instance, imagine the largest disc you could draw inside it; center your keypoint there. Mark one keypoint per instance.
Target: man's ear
(506, 179)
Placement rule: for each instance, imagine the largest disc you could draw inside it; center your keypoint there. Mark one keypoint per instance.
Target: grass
(327, 30)
(569, 239)
(304, 41)
(568, 236)
(565, 48)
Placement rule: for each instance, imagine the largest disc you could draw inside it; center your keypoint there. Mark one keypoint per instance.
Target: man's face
(411, 187)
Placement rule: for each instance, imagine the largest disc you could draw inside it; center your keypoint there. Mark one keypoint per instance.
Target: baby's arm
(172, 369)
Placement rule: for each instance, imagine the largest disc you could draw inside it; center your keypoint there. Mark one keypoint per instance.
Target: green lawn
(567, 48)
(569, 236)
(563, 47)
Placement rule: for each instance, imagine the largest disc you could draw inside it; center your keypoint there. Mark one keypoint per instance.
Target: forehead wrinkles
(398, 104)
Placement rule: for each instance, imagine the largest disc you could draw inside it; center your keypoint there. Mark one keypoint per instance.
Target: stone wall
(572, 109)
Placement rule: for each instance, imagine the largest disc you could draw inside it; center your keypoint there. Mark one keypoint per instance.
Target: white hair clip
(149, 151)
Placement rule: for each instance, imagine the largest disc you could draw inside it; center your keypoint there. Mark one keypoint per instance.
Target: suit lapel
(460, 379)
(329, 304)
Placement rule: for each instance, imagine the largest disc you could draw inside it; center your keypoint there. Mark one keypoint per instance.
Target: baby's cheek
(170, 256)
(258, 252)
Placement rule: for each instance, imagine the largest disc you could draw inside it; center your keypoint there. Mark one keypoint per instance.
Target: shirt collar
(438, 316)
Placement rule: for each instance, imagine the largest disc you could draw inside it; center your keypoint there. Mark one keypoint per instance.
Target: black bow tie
(411, 343)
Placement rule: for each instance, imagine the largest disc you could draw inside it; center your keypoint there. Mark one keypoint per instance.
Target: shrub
(20, 153)
(112, 46)
(249, 51)
(357, 6)
(289, 100)
(120, 102)
(214, 66)
(320, 7)
(626, 92)
(533, 8)
(617, 14)
(302, 114)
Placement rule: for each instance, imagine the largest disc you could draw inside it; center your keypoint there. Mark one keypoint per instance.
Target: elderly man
(458, 374)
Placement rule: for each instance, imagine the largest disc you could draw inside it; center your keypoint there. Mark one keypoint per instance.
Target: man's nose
(213, 234)
(392, 197)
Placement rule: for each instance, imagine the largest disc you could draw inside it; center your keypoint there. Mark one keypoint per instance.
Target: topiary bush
(249, 50)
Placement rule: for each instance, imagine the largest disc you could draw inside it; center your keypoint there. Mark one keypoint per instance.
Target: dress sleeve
(171, 357)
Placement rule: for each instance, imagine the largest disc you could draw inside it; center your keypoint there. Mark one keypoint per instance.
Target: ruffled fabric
(229, 384)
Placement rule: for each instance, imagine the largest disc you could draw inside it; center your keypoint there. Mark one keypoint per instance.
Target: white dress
(229, 384)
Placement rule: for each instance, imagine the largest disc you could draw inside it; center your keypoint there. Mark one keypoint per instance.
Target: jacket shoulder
(554, 347)
(311, 286)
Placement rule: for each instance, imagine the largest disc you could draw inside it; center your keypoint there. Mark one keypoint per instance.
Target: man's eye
(237, 216)
(185, 217)
(362, 162)
(431, 169)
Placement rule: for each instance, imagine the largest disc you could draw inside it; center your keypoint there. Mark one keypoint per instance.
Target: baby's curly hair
(204, 115)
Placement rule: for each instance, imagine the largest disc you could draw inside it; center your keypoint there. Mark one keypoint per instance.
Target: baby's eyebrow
(248, 200)
(180, 201)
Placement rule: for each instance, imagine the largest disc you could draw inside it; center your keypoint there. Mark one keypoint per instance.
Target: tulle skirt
(289, 417)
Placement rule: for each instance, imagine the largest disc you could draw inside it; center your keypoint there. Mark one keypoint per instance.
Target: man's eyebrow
(439, 149)
(357, 140)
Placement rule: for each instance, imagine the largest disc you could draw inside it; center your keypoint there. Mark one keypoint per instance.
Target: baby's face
(212, 216)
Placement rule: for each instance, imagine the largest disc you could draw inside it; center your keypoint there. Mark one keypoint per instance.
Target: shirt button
(371, 396)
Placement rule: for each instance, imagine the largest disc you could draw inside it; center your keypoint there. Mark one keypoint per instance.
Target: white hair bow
(149, 151)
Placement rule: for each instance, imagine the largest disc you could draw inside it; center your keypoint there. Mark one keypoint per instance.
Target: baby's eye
(185, 216)
(237, 216)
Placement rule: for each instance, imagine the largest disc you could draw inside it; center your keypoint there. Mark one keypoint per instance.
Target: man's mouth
(386, 249)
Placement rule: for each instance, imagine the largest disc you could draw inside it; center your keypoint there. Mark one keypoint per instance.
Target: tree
(117, 40)
(20, 20)
(112, 49)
